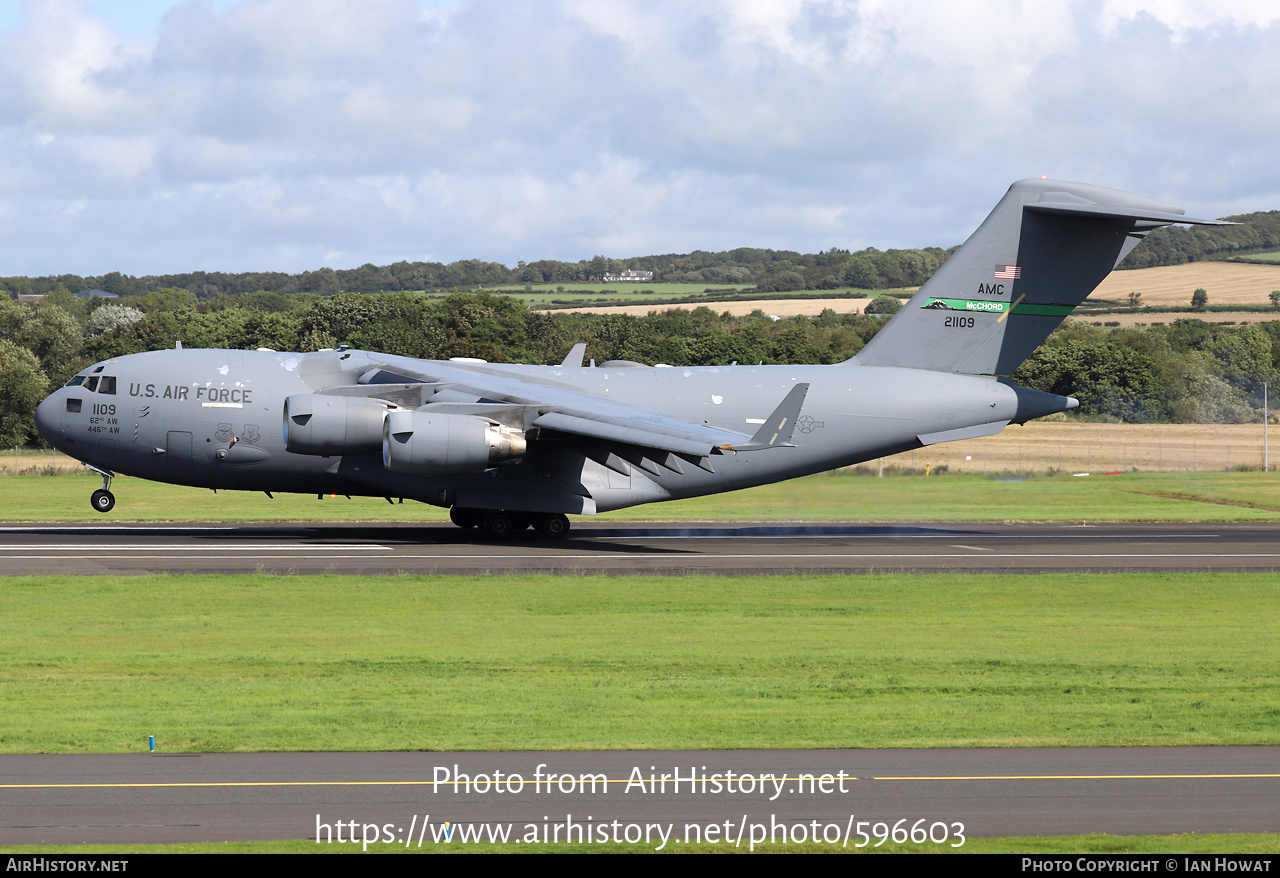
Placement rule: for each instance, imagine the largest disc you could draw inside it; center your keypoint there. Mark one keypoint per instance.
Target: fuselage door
(178, 451)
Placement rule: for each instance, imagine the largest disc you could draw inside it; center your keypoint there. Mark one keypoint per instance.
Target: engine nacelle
(316, 423)
(436, 444)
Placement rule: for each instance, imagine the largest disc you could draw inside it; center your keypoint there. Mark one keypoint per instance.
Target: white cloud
(1185, 16)
(279, 134)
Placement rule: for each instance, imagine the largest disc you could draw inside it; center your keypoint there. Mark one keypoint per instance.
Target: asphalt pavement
(611, 548)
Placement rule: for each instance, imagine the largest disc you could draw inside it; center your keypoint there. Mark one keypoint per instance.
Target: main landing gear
(499, 524)
(103, 500)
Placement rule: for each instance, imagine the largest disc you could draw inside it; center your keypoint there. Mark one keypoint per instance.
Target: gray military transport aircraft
(509, 446)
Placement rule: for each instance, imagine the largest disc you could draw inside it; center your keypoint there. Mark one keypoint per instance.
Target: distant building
(30, 298)
(96, 294)
(630, 276)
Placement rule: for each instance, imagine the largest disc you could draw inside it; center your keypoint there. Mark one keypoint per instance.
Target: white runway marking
(1070, 555)
(35, 528)
(928, 536)
(282, 547)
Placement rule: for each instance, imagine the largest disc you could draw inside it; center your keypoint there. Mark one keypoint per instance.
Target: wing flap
(637, 433)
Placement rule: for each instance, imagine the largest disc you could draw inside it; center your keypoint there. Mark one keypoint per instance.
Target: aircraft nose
(47, 417)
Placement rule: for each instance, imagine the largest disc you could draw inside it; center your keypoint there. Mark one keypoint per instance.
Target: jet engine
(435, 444)
(316, 423)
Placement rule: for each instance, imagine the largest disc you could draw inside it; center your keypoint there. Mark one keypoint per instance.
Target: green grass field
(1235, 496)
(1273, 256)
(216, 663)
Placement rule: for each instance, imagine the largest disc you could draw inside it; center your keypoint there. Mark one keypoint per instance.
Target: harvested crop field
(1076, 447)
(1227, 283)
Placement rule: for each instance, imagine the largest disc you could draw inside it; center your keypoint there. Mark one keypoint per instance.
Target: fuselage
(213, 418)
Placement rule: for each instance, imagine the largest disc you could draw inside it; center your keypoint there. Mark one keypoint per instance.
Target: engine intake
(428, 443)
(316, 423)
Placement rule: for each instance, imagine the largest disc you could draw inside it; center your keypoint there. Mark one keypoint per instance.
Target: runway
(849, 795)
(407, 798)
(613, 548)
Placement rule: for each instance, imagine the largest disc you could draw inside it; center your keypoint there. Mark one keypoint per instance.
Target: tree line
(766, 270)
(1188, 371)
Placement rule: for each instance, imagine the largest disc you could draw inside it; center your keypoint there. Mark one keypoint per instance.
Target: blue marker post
(153, 743)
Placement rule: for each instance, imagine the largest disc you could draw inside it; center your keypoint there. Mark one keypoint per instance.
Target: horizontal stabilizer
(1152, 216)
(776, 430)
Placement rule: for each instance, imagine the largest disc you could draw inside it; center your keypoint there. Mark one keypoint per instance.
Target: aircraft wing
(552, 406)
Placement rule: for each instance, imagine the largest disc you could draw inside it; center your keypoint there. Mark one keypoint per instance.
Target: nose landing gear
(103, 500)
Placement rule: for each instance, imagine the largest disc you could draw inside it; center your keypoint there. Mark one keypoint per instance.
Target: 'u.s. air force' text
(182, 391)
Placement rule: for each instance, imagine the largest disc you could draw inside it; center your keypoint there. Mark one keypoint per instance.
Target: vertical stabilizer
(1045, 247)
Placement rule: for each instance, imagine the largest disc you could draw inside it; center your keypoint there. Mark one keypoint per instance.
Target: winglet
(776, 430)
(573, 359)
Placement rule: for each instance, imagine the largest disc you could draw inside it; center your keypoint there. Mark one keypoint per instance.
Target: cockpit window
(99, 369)
(92, 384)
(76, 381)
(108, 385)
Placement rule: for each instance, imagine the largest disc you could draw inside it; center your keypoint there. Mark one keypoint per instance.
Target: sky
(153, 136)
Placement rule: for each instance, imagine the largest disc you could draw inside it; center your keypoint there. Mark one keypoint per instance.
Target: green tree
(1244, 358)
(62, 297)
(335, 319)
(1200, 299)
(22, 386)
(53, 335)
(1108, 378)
(265, 329)
(167, 299)
(884, 305)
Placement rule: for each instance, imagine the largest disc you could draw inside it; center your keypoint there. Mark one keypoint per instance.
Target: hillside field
(1227, 283)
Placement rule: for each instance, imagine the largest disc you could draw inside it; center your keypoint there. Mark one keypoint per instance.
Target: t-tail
(1045, 247)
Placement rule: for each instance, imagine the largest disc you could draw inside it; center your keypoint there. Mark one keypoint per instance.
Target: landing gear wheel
(466, 518)
(553, 527)
(498, 525)
(102, 500)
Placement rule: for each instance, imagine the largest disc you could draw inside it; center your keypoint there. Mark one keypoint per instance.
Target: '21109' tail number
(959, 321)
